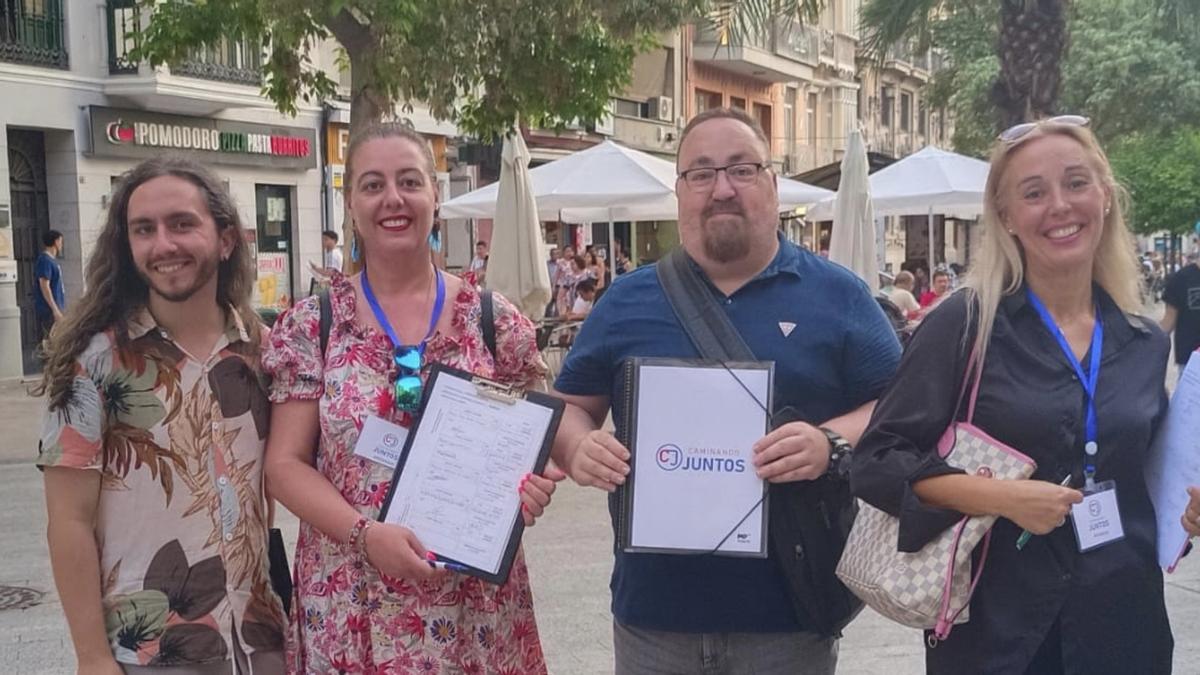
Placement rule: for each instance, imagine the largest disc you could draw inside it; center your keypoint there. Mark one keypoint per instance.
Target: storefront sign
(139, 134)
(271, 287)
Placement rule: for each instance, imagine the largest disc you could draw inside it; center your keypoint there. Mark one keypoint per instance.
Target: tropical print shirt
(347, 617)
(181, 524)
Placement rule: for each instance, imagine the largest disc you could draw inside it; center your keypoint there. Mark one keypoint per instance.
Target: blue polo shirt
(46, 267)
(833, 351)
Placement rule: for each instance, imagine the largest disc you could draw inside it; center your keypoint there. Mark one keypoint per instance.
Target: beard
(725, 232)
(206, 269)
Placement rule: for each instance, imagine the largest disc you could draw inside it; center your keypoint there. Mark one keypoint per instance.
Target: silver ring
(1062, 522)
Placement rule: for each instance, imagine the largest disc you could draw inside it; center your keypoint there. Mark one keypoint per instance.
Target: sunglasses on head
(1019, 131)
(408, 380)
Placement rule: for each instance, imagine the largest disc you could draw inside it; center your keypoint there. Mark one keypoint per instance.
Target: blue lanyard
(387, 326)
(1088, 380)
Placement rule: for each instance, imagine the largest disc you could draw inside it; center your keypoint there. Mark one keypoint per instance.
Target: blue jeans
(650, 652)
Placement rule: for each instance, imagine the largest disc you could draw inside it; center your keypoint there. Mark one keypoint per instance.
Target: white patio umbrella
(516, 268)
(926, 182)
(604, 176)
(606, 183)
(794, 194)
(852, 243)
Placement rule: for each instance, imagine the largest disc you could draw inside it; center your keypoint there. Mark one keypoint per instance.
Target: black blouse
(1108, 603)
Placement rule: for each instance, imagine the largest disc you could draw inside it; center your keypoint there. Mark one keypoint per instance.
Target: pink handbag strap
(977, 370)
(946, 619)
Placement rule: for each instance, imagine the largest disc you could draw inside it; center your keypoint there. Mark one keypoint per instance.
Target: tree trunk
(1031, 47)
(367, 107)
(368, 103)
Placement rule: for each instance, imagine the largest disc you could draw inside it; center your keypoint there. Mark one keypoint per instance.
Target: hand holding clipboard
(456, 486)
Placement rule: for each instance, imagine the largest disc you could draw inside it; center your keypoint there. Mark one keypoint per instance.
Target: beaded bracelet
(358, 536)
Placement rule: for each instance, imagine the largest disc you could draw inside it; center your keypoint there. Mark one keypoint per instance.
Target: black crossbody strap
(698, 312)
(326, 320)
(487, 319)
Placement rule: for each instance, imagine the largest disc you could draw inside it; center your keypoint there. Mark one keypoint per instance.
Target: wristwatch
(839, 450)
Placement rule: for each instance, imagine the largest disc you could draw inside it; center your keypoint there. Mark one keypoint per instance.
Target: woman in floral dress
(366, 599)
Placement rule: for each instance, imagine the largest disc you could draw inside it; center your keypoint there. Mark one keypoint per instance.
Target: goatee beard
(207, 270)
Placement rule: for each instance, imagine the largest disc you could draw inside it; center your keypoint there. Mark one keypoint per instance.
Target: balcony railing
(33, 32)
(235, 61)
(123, 20)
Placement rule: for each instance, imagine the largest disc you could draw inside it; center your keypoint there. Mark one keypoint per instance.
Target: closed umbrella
(852, 243)
(516, 265)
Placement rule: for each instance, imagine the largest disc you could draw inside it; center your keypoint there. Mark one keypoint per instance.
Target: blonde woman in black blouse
(1050, 304)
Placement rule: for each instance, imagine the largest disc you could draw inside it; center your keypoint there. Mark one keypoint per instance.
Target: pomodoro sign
(143, 134)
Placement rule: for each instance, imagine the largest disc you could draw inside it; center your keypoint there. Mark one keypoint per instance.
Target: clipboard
(654, 460)
(456, 483)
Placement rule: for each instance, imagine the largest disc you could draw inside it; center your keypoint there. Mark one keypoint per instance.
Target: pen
(448, 566)
(1026, 534)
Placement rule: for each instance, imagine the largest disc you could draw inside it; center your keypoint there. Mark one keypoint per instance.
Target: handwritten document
(1174, 464)
(458, 488)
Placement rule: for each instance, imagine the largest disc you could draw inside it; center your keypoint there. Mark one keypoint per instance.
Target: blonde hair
(999, 268)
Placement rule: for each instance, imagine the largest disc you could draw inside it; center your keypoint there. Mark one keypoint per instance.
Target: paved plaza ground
(569, 556)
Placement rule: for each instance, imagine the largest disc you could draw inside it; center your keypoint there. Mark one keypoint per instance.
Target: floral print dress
(346, 616)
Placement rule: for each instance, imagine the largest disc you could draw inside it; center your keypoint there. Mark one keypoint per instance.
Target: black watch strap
(839, 450)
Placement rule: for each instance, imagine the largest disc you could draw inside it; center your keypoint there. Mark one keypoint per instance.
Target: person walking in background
(1073, 378)
(366, 598)
(331, 258)
(1182, 313)
(478, 268)
(152, 446)
(49, 300)
(437, 245)
(594, 269)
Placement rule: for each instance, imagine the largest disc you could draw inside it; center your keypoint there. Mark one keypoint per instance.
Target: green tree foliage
(1127, 73)
(1127, 69)
(477, 62)
(1162, 173)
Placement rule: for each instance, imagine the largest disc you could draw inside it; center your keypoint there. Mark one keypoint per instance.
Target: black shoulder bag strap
(487, 319)
(701, 317)
(809, 521)
(326, 321)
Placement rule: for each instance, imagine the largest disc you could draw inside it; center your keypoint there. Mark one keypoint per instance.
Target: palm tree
(1031, 44)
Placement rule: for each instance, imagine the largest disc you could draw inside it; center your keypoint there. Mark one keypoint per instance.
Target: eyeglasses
(742, 174)
(1017, 132)
(408, 381)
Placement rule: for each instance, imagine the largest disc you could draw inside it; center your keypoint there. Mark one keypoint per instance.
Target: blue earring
(354, 253)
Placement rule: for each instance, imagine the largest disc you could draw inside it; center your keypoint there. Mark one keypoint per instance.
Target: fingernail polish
(429, 555)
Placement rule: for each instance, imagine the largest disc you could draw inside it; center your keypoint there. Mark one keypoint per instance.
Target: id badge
(381, 441)
(1097, 519)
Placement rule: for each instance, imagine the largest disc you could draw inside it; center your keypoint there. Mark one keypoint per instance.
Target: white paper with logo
(693, 469)
(1174, 465)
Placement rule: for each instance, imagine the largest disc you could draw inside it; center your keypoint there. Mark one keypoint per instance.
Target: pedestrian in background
(50, 299)
(1182, 313)
(153, 441)
(1073, 378)
(366, 597)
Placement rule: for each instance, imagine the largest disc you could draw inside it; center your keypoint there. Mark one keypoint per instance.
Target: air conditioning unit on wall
(662, 108)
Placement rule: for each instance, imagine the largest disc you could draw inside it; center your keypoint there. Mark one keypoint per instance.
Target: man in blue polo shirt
(833, 351)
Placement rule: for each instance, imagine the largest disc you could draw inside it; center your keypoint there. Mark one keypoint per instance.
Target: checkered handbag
(931, 588)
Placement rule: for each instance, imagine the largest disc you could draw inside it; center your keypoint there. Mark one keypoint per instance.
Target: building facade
(78, 113)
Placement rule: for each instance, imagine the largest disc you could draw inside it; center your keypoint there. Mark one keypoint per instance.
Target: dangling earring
(355, 255)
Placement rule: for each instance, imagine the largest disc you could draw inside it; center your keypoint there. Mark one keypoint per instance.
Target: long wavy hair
(115, 291)
(999, 268)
